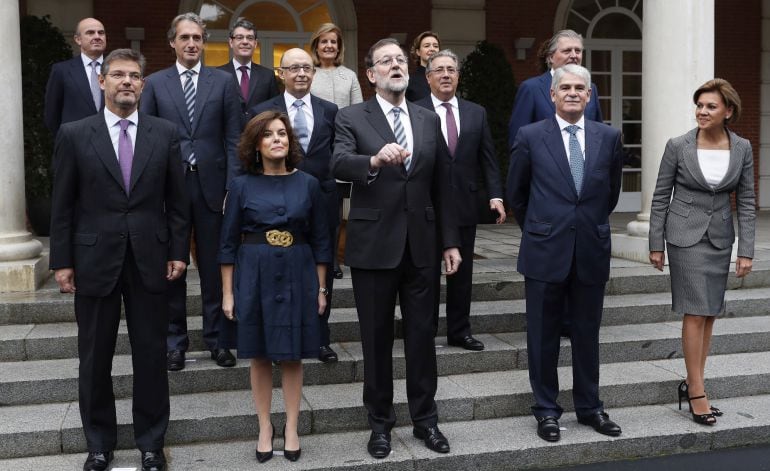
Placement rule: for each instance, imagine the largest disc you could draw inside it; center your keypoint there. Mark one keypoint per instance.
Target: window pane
(606, 105)
(632, 181)
(632, 85)
(268, 16)
(586, 8)
(632, 109)
(577, 24)
(603, 83)
(315, 17)
(215, 16)
(601, 61)
(216, 54)
(632, 61)
(617, 26)
(632, 133)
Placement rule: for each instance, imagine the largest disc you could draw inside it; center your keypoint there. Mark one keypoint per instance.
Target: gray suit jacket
(696, 208)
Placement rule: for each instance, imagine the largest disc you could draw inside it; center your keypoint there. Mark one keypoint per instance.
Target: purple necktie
(451, 129)
(244, 82)
(125, 153)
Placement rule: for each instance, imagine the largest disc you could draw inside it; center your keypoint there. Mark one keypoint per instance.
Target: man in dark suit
(255, 83)
(118, 226)
(471, 152)
(203, 103)
(73, 92)
(400, 210)
(313, 122)
(563, 183)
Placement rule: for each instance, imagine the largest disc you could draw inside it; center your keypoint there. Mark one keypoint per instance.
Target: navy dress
(276, 288)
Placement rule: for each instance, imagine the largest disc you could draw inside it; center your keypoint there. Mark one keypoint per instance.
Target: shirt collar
(112, 119)
(452, 101)
(238, 65)
(290, 99)
(87, 60)
(182, 69)
(564, 123)
(387, 106)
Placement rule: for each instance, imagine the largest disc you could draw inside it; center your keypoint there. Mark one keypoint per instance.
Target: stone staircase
(483, 397)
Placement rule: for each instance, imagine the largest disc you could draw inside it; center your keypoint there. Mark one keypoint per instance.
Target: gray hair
(189, 16)
(123, 55)
(552, 45)
(442, 53)
(572, 69)
(242, 23)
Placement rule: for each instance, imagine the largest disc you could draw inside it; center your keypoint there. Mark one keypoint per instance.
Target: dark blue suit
(564, 253)
(262, 86)
(67, 94)
(533, 103)
(213, 136)
(317, 162)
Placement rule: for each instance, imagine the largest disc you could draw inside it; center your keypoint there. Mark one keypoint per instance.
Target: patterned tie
(576, 160)
(189, 99)
(96, 92)
(300, 125)
(244, 82)
(125, 153)
(451, 129)
(398, 130)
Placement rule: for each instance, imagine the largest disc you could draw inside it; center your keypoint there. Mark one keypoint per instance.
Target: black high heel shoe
(291, 455)
(682, 392)
(263, 456)
(703, 419)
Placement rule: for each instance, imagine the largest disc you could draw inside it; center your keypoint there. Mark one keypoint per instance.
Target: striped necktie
(576, 160)
(189, 99)
(398, 130)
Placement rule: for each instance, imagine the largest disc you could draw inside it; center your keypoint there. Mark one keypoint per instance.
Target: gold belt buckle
(279, 238)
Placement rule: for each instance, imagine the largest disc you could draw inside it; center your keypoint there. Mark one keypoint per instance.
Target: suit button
(122, 235)
(279, 298)
(572, 228)
(708, 212)
(279, 253)
(281, 211)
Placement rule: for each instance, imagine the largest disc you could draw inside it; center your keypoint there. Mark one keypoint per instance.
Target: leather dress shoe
(223, 357)
(433, 438)
(601, 422)
(467, 342)
(548, 429)
(327, 355)
(97, 461)
(379, 445)
(175, 360)
(338, 274)
(153, 460)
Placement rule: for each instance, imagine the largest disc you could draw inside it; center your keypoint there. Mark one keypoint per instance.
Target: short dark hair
(314, 40)
(123, 55)
(242, 23)
(729, 96)
(252, 135)
(189, 16)
(415, 50)
(369, 59)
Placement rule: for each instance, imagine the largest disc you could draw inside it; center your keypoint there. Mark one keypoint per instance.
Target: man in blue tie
(563, 183)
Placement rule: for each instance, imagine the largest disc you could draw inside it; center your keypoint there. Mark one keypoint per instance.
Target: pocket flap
(541, 228)
(366, 214)
(680, 208)
(84, 239)
(603, 231)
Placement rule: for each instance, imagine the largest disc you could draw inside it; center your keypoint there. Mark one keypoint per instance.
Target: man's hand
(174, 269)
(742, 266)
(497, 205)
(656, 258)
(390, 154)
(452, 260)
(65, 278)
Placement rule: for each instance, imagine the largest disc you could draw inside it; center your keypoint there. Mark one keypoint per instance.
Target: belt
(273, 237)
(190, 167)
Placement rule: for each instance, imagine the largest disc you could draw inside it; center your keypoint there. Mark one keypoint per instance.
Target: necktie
(125, 153)
(300, 125)
(189, 98)
(398, 130)
(96, 92)
(576, 160)
(244, 82)
(451, 129)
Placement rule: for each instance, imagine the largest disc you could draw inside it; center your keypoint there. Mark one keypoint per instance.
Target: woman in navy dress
(274, 253)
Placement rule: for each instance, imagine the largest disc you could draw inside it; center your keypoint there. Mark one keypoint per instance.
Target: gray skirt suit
(694, 222)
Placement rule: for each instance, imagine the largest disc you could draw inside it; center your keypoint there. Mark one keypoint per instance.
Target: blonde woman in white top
(332, 81)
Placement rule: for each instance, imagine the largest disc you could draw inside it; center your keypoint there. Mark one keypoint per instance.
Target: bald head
(296, 72)
(91, 38)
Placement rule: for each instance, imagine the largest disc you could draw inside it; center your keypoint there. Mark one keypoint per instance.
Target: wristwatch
(323, 291)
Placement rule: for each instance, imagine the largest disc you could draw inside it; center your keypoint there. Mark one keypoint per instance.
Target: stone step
(42, 381)
(216, 416)
(59, 340)
(489, 444)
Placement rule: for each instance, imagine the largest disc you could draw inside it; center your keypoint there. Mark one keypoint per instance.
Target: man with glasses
(400, 212)
(118, 232)
(313, 122)
(255, 83)
(472, 152)
(203, 103)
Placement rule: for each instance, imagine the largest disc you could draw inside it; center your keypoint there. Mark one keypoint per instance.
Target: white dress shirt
(113, 125)
(238, 71)
(580, 134)
(440, 110)
(405, 121)
(183, 78)
(87, 65)
(307, 109)
(713, 163)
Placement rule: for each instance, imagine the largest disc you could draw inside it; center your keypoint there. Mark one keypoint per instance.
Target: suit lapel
(467, 120)
(205, 85)
(555, 145)
(736, 163)
(318, 116)
(79, 77)
(545, 88)
(593, 144)
(418, 130)
(378, 121)
(142, 151)
(690, 152)
(253, 79)
(174, 87)
(102, 144)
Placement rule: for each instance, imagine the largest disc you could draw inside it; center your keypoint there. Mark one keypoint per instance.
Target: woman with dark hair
(274, 251)
(332, 81)
(424, 45)
(703, 168)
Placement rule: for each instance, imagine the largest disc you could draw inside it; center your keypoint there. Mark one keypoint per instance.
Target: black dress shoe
(97, 461)
(379, 445)
(153, 460)
(601, 422)
(223, 357)
(433, 438)
(467, 342)
(175, 360)
(338, 274)
(263, 456)
(327, 355)
(548, 429)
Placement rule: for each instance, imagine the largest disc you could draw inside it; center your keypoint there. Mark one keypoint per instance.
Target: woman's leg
(693, 332)
(707, 329)
(291, 383)
(262, 391)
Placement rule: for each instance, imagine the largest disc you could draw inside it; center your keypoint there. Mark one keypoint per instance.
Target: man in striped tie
(400, 212)
(203, 102)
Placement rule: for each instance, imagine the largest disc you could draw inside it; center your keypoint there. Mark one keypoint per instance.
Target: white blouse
(713, 165)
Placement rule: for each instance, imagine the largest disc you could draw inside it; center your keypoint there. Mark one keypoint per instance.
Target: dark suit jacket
(92, 217)
(216, 125)
(67, 94)
(262, 86)
(474, 155)
(533, 103)
(556, 223)
(395, 207)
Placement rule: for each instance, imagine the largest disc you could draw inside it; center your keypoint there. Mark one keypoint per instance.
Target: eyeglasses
(443, 70)
(240, 37)
(387, 61)
(294, 69)
(133, 76)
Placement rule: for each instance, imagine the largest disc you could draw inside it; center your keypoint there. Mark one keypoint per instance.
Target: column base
(631, 247)
(24, 275)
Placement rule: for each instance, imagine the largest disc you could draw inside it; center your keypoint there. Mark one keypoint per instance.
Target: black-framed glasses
(387, 61)
(294, 69)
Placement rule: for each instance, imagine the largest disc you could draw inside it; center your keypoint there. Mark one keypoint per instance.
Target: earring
(256, 156)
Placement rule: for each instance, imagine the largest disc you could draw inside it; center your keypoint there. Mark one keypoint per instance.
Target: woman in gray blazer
(702, 168)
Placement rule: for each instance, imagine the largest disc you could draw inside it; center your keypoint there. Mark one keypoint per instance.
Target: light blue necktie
(398, 130)
(300, 125)
(576, 160)
(96, 91)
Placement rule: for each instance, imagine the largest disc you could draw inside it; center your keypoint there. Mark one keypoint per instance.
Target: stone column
(764, 111)
(677, 57)
(21, 266)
